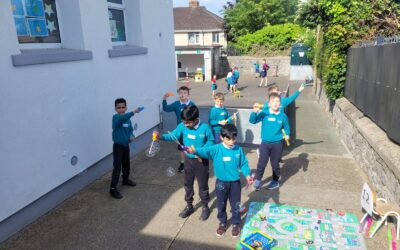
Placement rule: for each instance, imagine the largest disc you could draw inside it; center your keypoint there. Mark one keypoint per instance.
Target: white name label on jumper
(271, 119)
(125, 125)
(191, 137)
(226, 158)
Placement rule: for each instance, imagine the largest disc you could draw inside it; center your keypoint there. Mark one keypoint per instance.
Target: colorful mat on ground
(297, 228)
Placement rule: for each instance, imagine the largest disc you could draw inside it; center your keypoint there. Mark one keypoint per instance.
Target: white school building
(62, 65)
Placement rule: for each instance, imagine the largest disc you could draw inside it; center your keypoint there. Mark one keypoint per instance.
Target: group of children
(218, 143)
(232, 79)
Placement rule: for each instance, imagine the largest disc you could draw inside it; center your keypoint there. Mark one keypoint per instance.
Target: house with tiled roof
(199, 38)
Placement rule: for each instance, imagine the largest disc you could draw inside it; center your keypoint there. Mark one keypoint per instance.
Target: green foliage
(344, 23)
(275, 39)
(247, 16)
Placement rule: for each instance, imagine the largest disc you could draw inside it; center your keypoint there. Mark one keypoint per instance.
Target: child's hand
(234, 116)
(301, 87)
(250, 180)
(168, 94)
(224, 122)
(257, 107)
(191, 150)
(138, 110)
(286, 137)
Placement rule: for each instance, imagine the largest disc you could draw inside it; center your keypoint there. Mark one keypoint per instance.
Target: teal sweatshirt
(228, 162)
(216, 115)
(199, 136)
(176, 107)
(272, 124)
(122, 128)
(285, 101)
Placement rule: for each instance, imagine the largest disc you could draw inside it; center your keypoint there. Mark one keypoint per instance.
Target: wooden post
(315, 82)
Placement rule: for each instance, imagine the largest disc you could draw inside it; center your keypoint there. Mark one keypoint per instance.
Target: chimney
(193, 3)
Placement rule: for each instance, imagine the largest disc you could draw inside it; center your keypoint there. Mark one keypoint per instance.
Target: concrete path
(317, 172)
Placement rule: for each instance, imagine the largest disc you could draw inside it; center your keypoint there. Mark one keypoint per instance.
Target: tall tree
(247, 16)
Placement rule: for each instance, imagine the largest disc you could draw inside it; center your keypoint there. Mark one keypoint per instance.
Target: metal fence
(373, 84)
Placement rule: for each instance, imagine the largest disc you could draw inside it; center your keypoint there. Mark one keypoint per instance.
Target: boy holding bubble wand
(229, 161)
(122, 135)
(193, 133)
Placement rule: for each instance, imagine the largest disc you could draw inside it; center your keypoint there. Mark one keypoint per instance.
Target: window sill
(126, 50)
(42, 56)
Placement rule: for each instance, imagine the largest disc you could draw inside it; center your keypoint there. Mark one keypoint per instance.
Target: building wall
(52, 112)
(205, 39)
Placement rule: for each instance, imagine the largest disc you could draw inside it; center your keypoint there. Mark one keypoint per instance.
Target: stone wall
(378, 157)
(279, 66)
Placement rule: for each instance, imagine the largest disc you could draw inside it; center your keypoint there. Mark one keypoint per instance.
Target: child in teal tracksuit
(218, 116)
(229, 161)
(122, 135)
(198, 134)
(273, 121)
(177, 107)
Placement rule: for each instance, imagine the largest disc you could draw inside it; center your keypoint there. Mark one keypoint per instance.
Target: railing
(378, 41)
(373, 83)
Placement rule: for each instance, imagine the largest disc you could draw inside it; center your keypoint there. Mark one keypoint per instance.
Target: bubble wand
(285, 137)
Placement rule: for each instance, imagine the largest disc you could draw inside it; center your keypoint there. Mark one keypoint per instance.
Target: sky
(214, 6)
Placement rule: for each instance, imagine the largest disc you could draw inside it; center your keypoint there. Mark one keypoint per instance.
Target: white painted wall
(51, 112)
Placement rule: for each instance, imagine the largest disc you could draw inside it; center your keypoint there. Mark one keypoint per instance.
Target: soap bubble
(170, 172)
(149, 153)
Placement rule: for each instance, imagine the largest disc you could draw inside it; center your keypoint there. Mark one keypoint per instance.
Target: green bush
(344, 23)
(273, 39)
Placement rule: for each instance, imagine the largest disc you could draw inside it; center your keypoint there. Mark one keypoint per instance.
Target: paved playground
(317, 173)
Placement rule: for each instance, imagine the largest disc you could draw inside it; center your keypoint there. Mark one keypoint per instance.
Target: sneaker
(129, 183)
(114, 193)
(235, 231)
(269, 183)
(273, 185)
(181, 167)
(205, 213)
(186, 212)
(221, 230)
(257, 185)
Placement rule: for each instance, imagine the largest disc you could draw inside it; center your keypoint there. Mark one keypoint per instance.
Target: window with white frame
(194, 38)
(116, 16)
(36, 21)
(215, 37)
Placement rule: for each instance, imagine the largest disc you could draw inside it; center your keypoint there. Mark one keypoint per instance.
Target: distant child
(214, 86)
(273, 121)
(265, 68)
(122, 135)
(285, 101)
(198, 134)
(257, 69)
(228, 160)
(229, 80)
(218, 116)
(177, 107)
(236, 75)
(232, 83)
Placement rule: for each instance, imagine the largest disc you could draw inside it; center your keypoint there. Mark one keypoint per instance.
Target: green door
(298, 55)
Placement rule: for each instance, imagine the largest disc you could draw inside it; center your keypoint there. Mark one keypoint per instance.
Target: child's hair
(229, 131)
(274, 95)
(272, 89)
(184, 88)
(119, 100)
(190, 113)
(219, 96)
